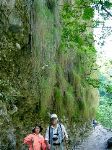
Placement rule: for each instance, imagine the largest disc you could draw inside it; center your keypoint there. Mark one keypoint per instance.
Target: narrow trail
(96, 140)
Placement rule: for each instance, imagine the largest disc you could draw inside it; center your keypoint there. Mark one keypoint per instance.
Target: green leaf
(88, 13)
(107, 4)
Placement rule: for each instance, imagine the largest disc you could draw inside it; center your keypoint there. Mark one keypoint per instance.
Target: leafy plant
(104, 113)
(88, 13)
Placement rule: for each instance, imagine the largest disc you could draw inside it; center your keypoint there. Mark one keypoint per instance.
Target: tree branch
(106, 11)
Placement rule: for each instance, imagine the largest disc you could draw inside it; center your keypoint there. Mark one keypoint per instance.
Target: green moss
(48, 72)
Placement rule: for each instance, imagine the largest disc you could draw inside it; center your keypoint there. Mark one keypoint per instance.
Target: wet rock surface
(109, 143)
(97, 140)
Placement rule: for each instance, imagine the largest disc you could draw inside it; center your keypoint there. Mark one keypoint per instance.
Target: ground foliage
(104, 114)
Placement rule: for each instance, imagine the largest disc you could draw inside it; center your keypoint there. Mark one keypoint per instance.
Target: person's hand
(32, 140)
(66, 139)
(48, 146)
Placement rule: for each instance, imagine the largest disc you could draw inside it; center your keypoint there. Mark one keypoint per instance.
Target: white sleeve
(64, 131)
(47, 134)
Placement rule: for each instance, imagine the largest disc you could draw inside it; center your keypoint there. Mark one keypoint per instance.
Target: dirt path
(96, 141)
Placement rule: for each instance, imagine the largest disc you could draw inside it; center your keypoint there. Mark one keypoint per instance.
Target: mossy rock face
(7, 136)
(41, 73)
(51, 4)
(14, 31)
(15, 28)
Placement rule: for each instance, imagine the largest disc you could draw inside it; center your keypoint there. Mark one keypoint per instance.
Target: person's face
(37, 130)
(54, 121)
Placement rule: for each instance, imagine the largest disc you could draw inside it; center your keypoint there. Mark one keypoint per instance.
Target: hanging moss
(47, 55)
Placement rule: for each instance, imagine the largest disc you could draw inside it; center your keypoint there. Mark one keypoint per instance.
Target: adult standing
(55, 134)
(35, 140)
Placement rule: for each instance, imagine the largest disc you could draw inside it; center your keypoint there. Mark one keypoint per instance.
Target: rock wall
(45, 64)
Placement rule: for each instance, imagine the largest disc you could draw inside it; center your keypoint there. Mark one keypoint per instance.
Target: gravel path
(96, 141)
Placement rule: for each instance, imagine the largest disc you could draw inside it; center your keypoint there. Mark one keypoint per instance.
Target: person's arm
(43, 144)
(28, 140)
(65, 132)
(47, 139)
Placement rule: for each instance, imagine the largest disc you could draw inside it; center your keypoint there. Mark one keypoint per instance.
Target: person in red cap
(35, 140)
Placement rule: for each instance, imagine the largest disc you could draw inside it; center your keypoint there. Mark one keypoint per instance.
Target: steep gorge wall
(47, 56)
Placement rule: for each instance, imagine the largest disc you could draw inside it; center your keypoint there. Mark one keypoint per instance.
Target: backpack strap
(61, 128)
